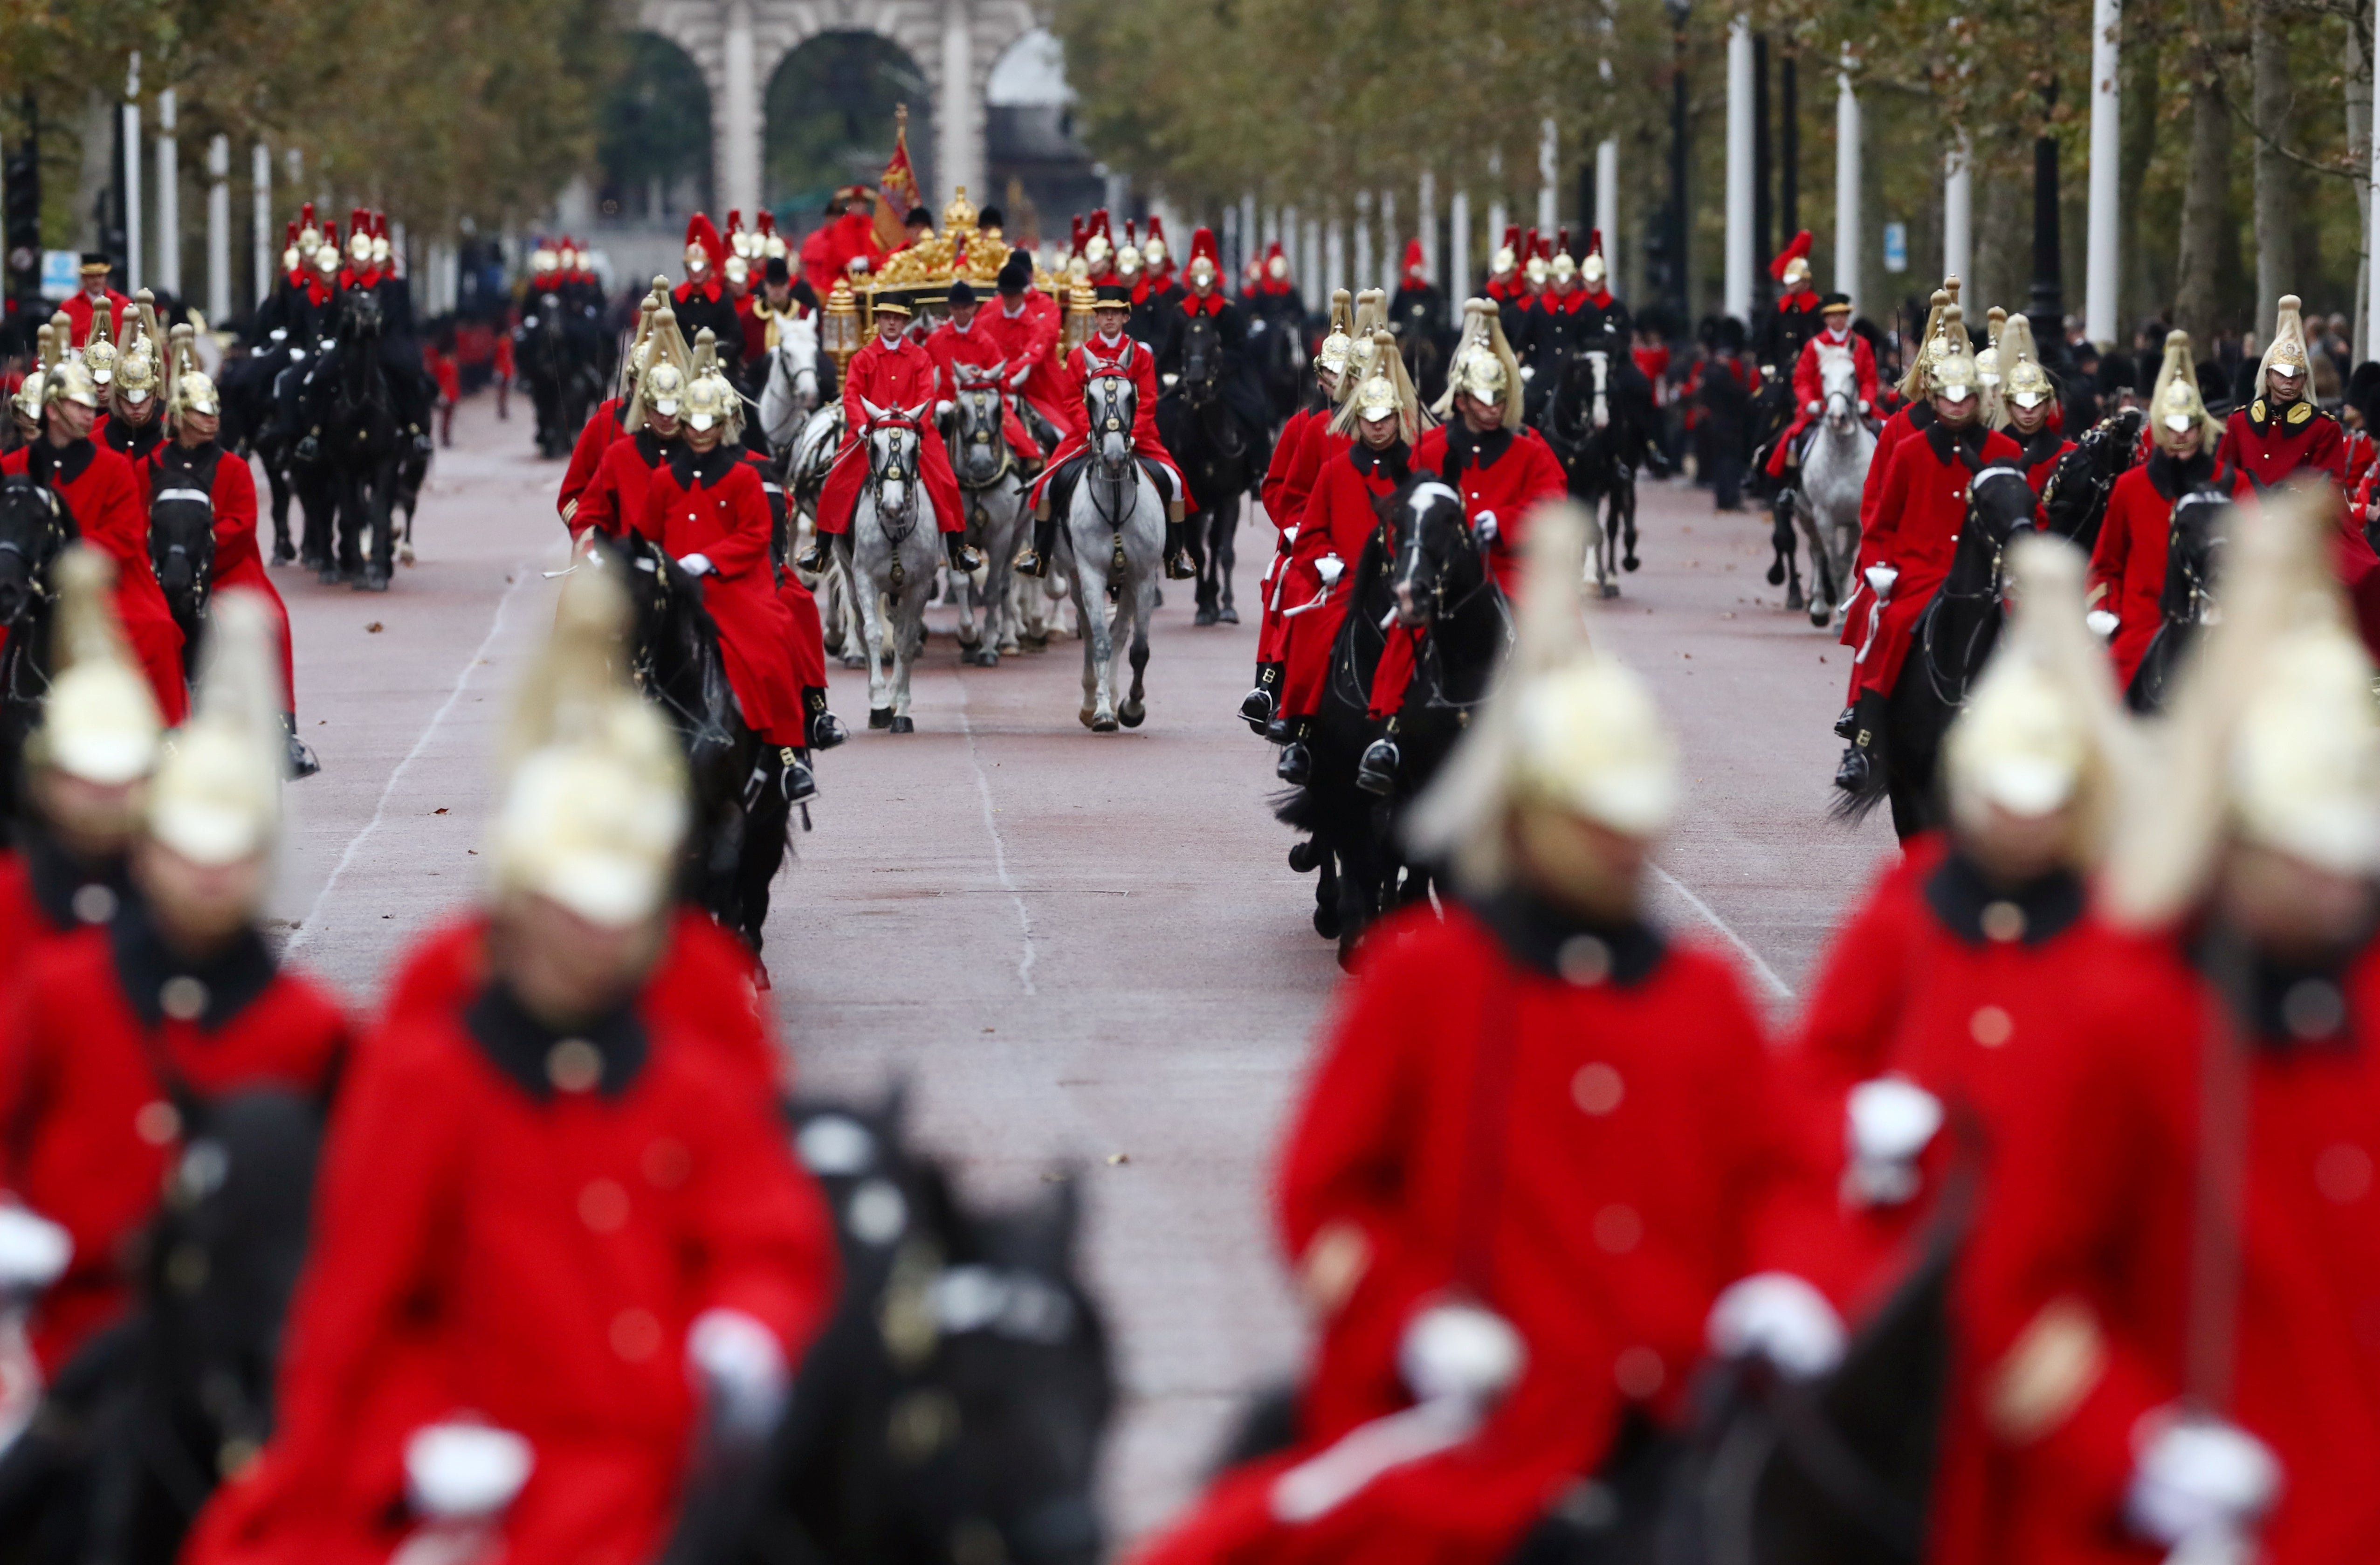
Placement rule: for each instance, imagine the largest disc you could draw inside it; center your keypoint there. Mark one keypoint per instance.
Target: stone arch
(829, 111)
(740, 43)
(656, 146)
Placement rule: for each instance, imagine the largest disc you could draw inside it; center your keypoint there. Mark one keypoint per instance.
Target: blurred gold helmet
(99, 721)
(1153, 252)
(1564, 269)
(544, 258)
(71, 381)
(359, 244)
(1950, 360)
(99, 357)
(2175, 404)
(1331, 357)
(216, 797)
(738, 270)
(381, 249)
(1127, 259)
(1536, 271)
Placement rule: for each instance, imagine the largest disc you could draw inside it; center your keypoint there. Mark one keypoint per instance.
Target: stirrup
(1377, 773)
(1030, 563)
(1296, 765)
(827, 731)
(1255, 709)
(799, 782)
(1853, 774)
(1847, 726)
(1178, 566)
(812, 561)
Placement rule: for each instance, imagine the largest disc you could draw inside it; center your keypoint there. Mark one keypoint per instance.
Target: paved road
(1085, 953)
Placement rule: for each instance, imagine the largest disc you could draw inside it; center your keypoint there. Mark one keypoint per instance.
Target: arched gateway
(739, 44)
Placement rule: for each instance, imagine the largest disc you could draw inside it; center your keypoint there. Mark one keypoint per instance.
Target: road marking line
(999, 847)
(523, 574)
(1766, 973)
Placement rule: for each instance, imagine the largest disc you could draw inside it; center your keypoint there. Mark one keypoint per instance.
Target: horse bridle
(906, 463)
(998, 437)
(1101, 386)
(1991, 592)
(41, 593)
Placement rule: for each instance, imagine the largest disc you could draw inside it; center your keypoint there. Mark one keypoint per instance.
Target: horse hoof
(1227, 615)
(879, 717)
(1104, 725)
(1628, 563)
(404, 554)
(374, 581)
(1083, 717)
(1777, 574)
(329, 576)
(1822, 614)
(284, 556)
(987, 658)
(905, 725)
(1303, 855)
(1132, 717)
(1608, 590)
(1326, 923)
(1203, 617)
(853, 660)
(1793, 595)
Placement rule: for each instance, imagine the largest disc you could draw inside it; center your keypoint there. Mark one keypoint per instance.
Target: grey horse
(1834, 471)
(992, 487)
(889, 557)
(1114, 538)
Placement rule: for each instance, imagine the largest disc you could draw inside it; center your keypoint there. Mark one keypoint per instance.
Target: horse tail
(1850, 809)
(1300, 809)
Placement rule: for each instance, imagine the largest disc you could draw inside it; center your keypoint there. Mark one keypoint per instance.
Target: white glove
(1330, 568)
(1528, 371)
(1016, 382)
(2199, 1484)
(1170, 378)
(696, 564)
(1880, 579)
(1777, 1316)
(460, 1471)
(1810, 406)
(1863, 407)
(1886, 1123)
(34, 1251)
(1460, 1352)
(740, 1367)
(1483, 526)
(2100, 623)
(1289, 535)
(943, 408)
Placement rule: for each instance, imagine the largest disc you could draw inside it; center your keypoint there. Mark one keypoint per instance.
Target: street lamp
(2048, 302)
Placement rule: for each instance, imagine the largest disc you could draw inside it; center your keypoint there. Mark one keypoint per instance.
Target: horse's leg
(277, 480)
(1224, 551)
(380, 509)
(1822, 569)
(909, 636)
(766, 830)
(864, 599)
(1627, 498)
(1140, 596)
(1092, 672)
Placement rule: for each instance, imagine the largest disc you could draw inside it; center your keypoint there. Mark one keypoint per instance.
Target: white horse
(890, 556)
(992, 490)
(1834, 471)
(791, 392)
(819, 438)
(1114, 537)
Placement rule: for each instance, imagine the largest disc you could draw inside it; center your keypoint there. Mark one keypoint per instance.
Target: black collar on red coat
(2040, 446)
(1464, 449)
(157, 983)
(2294, 418)
(57, 465)
(1965, 446)
(70, 892)
(2170, 475)
(1394, 464)
(2283, 1006)
(188, 467)
(1980, 912)
(524, 1049)
(136, 441)
(1546, 939)
(702, 469)
(652, 447)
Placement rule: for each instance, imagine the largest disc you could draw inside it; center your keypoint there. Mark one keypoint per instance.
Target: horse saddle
(1064, 476)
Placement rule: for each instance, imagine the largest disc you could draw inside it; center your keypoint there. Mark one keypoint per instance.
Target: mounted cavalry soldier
(968, 350)
(1503, 470)
(1029, 327)
(1110, 351)
(1288, 481)
(94, 311)
(613, 499)
(1907, 553)
(2281, 431)
(609, 421)
(1834, 336)
(1532, 1150)
(702, 301)
(892, 374)
(2029, 411)
(1204, 299)
(1794, 320)
(1275, 296)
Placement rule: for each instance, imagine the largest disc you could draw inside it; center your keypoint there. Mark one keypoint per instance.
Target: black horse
(2193, 563)
(2074, 501)
(1955, 633)
(1277, 348)
(740, 804)
(352, 447)
(952, 1410)
(1220, 457)
(35, 526)
(1424, 566)
(182, 548)
(1598, 418)
(561, 371)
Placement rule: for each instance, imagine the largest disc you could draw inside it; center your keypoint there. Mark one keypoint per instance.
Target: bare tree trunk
(2358, 152)
(2277, 270)
(2139, 295)
(2206, 188)
(98, 171)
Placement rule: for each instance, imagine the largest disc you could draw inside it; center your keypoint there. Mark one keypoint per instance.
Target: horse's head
(2194, 554)
(34, 524)
(894, 436)
(979, 432)
(1111, 404)
(1202, 360)
(796, 359)
(1838, 380)
(2000, 504)
(1596, 376)
(360, 320)
(1431, 550)
(182, 548)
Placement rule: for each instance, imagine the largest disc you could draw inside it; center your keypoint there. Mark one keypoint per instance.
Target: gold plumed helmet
(1563, 269)
(2271, 737)
(594, 805)
(668, 374)
(99, 721)
(1987, 363)
(138, 351)
(1951, 362)
(1127, 259)
(1337, 342)
(99, 352)
(1913, 380)
(1383, 391)
(2044, 728)
(1564, 729)
(1490, 372)
(1534, 270)
(738, 269)
(27, 401)
(2174, 404)
(2287, 352)
(1468, 341)
(710, 399)
(632, 364)
(382, 251)
(2024, 384)
(1371, 316)
(359, 240)
(326, 259)
(189, 389)
(216, 797)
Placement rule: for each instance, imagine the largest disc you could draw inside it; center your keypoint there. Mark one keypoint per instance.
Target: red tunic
(713, 506)
(1904, 422)
(1626, 1128)
(1339, 520)
(2041, 454)
(1809, 386)
(1128, 356)
(2269, 444)
(1029, 342)
(92, 1132)
(615, 499)
(896, 378)
(484, 1242)
(1916, 531)
(2089, 1242)
(80, 312)
(100, 486)
(238, 561)
(978, 350)
(603, 427)
(1287, 482)
(2128, 561)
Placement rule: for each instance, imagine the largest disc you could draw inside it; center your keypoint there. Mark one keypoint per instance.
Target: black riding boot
(964, 558)
(1257, 706)
(1377, 773)
(798, 780)
(826, 730)
(812, 561)
(1178, 563)
(1861, 757)
(1296, 766)
(1847, 722)
(1035, 562)
(301, 754)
